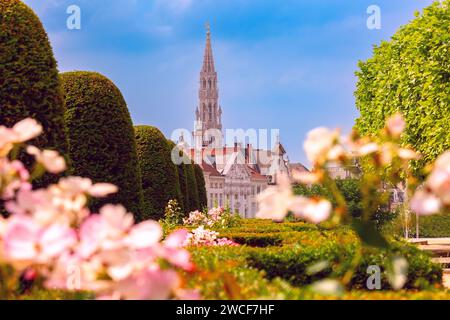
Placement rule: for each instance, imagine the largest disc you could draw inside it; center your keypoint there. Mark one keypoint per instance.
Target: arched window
(204, 83)
(209, 81)
(210, 112)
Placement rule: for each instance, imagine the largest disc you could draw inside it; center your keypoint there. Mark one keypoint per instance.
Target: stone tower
(208, 115)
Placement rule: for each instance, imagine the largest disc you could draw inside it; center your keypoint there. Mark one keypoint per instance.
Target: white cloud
(176, 6)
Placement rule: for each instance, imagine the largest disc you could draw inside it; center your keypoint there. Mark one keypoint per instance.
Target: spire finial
(208, 28)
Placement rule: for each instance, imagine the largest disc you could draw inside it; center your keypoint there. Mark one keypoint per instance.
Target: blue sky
(284, 64)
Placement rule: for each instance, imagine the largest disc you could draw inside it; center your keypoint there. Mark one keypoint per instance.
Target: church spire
(209, 112)
(208, 59)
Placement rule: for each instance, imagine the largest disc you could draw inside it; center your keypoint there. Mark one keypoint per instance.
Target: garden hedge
(287, 250)
(194, 202)
(159, 174)
(182, 179)
(29, 85)
(200, 179)
(101, 137)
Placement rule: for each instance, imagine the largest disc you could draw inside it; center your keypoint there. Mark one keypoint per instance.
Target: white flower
(318, 144)
(312, 210)
(274, 202)
(306, 177)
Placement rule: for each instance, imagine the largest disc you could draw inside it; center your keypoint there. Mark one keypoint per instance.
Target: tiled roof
(210, 169)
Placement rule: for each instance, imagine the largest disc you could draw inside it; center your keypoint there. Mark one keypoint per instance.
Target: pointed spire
(208, 59)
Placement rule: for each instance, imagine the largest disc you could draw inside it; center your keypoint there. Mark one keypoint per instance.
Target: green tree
(200, 179)
(29, 85)
(159, 174)
(351, 191)
(101, 137)
(411, 74)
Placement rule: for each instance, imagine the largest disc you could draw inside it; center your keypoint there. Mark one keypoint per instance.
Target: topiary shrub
(101, 137)
(29, 85)
(182, 178)
(194, 203)
(200, 179)
(159, 174)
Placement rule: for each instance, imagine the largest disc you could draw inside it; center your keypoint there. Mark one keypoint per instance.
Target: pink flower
(26, 240)
(407, 154)
(396, 125)
(439, 179)
(56, 239)
(176, 239)
(20, 238)
(100, 190)
(148, 285)
(50, 159)
(26, 129)
(425, 203)
(145, 234)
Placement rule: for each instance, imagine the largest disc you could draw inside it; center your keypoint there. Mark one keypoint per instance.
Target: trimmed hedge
(200, 179)
(182, 179)
(287, 250)
(194, 202)
(29, 85)
(159, 174)
(101, 137)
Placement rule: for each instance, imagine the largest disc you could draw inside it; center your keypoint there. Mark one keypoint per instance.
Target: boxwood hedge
(29, 85)
(159, 174)
(101, 137)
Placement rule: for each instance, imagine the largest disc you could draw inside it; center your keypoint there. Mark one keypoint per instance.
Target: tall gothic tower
(208, 115)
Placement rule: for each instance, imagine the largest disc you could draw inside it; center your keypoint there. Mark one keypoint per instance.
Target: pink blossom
(148, 285)
(50, 159)
(26, 240)
(425, 203)
(145, 234)
(100, 190)
(396, 125)
(26, 129)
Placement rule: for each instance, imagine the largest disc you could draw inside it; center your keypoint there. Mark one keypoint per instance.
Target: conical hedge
(194, 202)
(159, 174)
(182, 179)
(29, 85)
(200, 179)
(101, 137)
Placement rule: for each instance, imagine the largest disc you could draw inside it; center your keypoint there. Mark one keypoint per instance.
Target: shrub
(292, 263)
(200, 179)
(29, 85)
(255, 239)
(159, 174)
(194, 202)
(182, 178)
(101, 137)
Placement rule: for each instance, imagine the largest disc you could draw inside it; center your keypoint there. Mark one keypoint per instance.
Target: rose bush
(51, 235)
